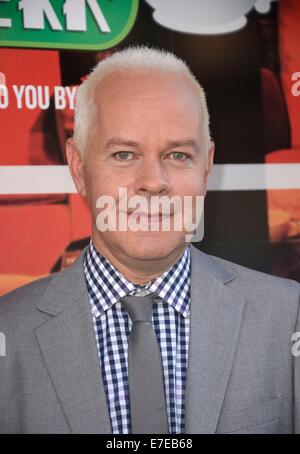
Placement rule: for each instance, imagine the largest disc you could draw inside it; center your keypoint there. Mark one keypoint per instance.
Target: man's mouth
(150, 218)
(151, 215)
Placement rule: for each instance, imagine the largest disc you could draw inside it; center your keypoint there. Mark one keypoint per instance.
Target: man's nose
(151, 178)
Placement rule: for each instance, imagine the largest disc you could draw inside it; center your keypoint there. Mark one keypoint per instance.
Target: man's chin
(152, 247)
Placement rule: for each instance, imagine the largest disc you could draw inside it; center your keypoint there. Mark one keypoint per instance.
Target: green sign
(66, 24)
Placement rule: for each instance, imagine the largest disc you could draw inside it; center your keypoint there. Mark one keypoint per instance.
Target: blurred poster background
(246, 56)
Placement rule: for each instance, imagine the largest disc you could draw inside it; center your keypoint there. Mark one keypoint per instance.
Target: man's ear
(76, 166)
(210, 158)
(209, 163)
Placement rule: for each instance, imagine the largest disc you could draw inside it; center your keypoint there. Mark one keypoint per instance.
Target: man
(144, 333)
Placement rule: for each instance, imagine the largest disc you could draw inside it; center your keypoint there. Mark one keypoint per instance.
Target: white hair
(130, 59)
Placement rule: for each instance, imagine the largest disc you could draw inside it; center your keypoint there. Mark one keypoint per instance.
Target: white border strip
(252, 177)
(36, 180)
(224, 177)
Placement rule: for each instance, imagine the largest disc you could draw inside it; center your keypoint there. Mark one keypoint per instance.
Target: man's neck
(135, 270)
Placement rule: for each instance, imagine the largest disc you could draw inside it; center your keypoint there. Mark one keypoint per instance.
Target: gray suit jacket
(242, 377)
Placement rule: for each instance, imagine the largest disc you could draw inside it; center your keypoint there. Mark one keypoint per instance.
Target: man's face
(148, 140)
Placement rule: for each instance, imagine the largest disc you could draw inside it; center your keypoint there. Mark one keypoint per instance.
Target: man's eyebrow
(183, 143)
(119, 141)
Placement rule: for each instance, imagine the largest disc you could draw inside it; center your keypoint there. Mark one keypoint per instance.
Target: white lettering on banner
(64, 96)
(59, 98)
(35, 12)
(38, 97)
(5, 22)
(30, 97)
(19, 93)
(3, 96)
(43, 96)
(71, 94)
(75, 11)
(35, 97)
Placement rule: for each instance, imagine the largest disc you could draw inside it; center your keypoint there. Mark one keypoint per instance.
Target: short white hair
(138, 58)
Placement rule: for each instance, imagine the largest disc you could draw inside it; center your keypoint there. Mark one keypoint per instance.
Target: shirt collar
(106, 285)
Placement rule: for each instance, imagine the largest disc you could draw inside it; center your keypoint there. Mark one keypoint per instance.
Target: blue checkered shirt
(170, 318)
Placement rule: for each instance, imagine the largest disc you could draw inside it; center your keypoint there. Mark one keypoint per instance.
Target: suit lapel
(68, 348)
(215, 321)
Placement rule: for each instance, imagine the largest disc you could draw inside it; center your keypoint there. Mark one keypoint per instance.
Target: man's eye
(124, 155)
(178, 155)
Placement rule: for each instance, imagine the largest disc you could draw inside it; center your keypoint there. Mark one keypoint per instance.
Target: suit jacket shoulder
(26, 308)
(248, 282)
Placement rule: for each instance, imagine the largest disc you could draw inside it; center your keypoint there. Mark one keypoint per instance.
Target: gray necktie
(146, 385)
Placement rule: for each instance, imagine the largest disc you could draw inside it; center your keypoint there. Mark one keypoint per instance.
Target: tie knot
(139, 308)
